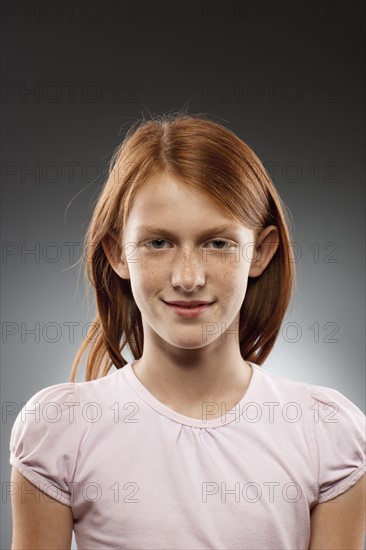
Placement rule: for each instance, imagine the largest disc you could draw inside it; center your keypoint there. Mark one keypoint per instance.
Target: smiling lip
(184, 311)
(183, 303)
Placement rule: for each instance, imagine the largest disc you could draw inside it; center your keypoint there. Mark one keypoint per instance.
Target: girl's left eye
(214, 241)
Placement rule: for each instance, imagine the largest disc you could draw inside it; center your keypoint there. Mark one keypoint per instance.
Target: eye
(155, 241)
(160, 243)
(224, 243)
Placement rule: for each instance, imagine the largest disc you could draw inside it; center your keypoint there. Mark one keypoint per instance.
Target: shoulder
(332, 427)
(58, 405)
(46, 405)
(334, 411)
(281, 387)
(323, 398)
(339, 433)
(43, 439)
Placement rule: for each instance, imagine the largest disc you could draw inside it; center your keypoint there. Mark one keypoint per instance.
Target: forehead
(166, 203)
(165, 197)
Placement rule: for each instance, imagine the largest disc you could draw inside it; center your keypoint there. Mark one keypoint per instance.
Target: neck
(187, 378)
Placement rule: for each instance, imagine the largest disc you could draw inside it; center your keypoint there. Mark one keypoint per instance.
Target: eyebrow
(161, 230)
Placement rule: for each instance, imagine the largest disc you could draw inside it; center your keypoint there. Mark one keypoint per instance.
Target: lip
(189, 311)
(185, 303)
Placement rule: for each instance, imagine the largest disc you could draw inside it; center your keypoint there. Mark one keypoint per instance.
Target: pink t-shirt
(139, 475)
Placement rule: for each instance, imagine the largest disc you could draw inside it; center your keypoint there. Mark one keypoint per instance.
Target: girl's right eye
(155, 241)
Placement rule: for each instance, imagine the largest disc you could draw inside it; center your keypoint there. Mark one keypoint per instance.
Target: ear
(266, 245)
(113, 251)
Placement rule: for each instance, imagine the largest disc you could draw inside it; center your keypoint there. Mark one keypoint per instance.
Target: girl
(191, 444)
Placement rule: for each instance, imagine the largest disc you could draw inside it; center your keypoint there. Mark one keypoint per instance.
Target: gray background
(287, 77)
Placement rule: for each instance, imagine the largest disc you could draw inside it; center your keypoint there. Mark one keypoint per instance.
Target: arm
(340, 522)
(39, 521)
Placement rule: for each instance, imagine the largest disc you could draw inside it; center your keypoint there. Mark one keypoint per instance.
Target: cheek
(145, 282)
(233, 282)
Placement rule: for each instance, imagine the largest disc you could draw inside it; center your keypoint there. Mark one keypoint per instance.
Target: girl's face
(185, 258)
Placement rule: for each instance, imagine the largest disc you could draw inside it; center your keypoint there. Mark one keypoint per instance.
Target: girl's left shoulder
(330, 425)
(338, 427)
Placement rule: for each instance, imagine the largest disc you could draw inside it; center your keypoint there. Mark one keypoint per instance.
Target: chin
(187, 343)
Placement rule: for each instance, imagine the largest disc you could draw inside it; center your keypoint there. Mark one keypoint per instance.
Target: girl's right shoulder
(43, 441)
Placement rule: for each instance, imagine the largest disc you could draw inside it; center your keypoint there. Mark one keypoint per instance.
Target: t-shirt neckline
(160, 407)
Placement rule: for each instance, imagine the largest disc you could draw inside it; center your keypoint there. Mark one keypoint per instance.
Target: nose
(188, 271)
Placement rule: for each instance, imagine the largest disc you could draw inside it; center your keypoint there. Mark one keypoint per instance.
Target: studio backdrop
(287, 77)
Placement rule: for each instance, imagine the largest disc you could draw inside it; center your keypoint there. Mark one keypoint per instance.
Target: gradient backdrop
(287, 77)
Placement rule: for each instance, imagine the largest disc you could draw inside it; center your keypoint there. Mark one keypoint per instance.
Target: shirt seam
(75, 418)
(357, 473)
(36, 478)
(315, 442)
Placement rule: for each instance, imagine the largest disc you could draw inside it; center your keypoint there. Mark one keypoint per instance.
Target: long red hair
(209, 157)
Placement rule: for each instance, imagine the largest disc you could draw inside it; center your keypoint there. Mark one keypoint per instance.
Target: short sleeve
(339, 429)
(43, 440)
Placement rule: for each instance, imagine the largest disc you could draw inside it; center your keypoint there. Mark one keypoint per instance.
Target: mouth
(191, 310)
(193, 303)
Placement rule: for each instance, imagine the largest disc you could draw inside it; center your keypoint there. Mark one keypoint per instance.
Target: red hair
(209, 157)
